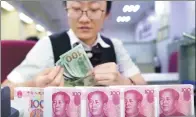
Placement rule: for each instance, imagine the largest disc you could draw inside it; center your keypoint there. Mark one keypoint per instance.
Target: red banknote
(140, 101)
(102, 102)
(31, 100)
(176, 100)
(62, 102)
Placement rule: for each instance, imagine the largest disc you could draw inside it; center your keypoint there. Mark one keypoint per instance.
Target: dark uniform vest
(61, 44)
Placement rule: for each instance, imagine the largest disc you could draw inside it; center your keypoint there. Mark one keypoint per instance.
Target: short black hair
(108, 7)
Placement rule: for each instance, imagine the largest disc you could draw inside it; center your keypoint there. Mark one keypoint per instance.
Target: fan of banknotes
(77, 67)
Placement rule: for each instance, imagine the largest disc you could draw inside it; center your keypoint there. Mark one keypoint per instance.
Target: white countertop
(158, 77)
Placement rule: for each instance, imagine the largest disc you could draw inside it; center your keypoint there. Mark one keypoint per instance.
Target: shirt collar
(74, 39)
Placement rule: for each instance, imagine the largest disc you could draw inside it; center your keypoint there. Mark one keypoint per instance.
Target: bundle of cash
(77, 67)
(31, 100)
(120, 101)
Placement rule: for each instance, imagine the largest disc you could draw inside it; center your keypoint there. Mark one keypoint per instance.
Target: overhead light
(125, 8)
(131, 8)
(5, 5)
(49, 33)
(136, 8)
(25, 18)
(40, 28)
(123, 19)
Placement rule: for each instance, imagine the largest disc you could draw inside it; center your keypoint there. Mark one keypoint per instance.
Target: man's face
(167, 102)
(59, 105)
(86, 27)
(96, 105)
(131, 104)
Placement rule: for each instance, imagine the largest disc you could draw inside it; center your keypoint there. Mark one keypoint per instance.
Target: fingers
(58, 78)
(105, 68)
(51, 76)
(62, 82)
(47, 71)
(107, 65)
(102, 77)
(104, 82)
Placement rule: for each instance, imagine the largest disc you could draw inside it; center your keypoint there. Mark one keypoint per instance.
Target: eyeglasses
(91, 13)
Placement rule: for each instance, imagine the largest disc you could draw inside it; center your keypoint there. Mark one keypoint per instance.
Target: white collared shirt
(41, 57)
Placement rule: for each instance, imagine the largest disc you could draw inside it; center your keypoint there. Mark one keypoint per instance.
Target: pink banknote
(31, 100)
(139, 101)
(176, 100)
(102, 102)
(62, 102)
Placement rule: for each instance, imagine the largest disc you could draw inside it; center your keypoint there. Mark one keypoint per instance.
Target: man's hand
(50, 77)
(108, 74)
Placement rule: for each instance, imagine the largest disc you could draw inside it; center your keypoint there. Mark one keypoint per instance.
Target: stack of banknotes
(112, 101)
(77, 67)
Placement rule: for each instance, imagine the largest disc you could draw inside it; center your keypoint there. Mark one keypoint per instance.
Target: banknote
(102, 102)
(76, 67)
(140, 101)
(62, 102)
(176, 100)
(31, 100)
(77, 62)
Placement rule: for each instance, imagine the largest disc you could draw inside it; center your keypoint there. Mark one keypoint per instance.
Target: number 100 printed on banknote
(31, 100)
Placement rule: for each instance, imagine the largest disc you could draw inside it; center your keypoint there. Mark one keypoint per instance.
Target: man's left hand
(108, 74)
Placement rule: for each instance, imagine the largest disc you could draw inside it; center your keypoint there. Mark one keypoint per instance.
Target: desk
(160, 77)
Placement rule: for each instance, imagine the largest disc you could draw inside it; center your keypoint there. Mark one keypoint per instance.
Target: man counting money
(85, 19)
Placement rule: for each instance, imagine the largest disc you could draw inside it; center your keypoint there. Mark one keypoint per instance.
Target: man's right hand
(50, 77)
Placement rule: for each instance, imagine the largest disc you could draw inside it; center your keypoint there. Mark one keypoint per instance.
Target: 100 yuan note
(31, 100)
(176, 100)
(101, 102)
(140, 101)
(62, 102)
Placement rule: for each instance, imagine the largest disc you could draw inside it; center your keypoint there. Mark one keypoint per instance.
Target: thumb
(46, 71)
(62, 82)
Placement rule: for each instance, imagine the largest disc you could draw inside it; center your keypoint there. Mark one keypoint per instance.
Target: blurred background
(152, 32)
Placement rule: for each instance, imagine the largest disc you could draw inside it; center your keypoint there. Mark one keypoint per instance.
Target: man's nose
(128, 103)
(84, 18)
(165, 101)
(94, 105)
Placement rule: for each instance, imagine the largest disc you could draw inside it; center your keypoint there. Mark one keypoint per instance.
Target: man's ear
(107, 16)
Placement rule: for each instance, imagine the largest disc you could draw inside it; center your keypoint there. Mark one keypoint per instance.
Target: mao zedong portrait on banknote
(60, 102)
(97, 104)
(133, 99)
(168, 102)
